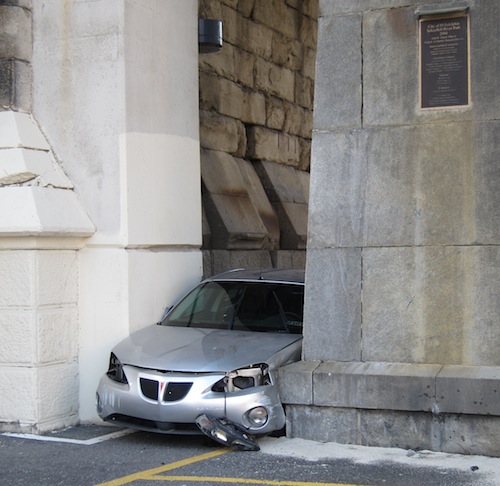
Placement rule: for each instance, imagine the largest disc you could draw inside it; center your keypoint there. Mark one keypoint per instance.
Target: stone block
(286, 192)
(308, 29)
(261, 202)
(338, 175)
(289, 259)
(42, 211)
(401, 430)
(58, 389)
(275, 113)
(423, 305)
(221, 174)
(486, 63)
(466, 434)
(253, 110)
(482, 335)
(390, 70)
(391, 73)
(296, 382)
(279, 147)
(244, 63)
(57, 277)
(282, 183)
(222, 260)
(230, 99)
(18, 343)
(245, 8)
(293, 225)
(322, 424)
(393, 307)
(23, 79)
(486, 175)
(275, 80)
(468, 390)
(233, 24)
(258, 40)
(287, 52)
(15, 36)
(222, 64)
(398, 186)
(277, 15)
(19, 388)
(298, 120)
(304, 91)
(209, 10)
(333, 331)
(57, 337)
(337, 101)
(218, 132)
(234, 220)
(382, 386)
(17, 290)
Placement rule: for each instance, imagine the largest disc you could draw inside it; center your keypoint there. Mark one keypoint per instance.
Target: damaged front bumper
(226, 433)
(257, 410)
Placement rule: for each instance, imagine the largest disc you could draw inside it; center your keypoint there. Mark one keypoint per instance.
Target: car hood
(203, 350)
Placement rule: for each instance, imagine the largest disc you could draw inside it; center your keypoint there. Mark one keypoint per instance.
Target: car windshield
(244, 306)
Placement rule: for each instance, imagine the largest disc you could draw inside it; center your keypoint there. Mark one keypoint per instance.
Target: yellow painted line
(155, 475)
(150, 474)
(206, 479)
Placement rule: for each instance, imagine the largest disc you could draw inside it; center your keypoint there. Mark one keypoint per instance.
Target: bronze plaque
(444, 62)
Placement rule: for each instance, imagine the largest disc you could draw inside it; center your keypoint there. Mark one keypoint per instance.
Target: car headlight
(115, 370)
(258, 416)
(243, 378)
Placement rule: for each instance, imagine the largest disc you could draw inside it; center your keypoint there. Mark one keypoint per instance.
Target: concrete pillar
(115, 99)
(402, 266)
(116, 88)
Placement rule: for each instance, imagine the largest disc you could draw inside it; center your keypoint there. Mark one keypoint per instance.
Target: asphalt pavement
(103, 455)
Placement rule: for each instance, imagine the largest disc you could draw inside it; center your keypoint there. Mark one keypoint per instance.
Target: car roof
(294, 276)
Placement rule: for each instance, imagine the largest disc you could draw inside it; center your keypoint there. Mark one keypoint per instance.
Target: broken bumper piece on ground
(226, 433)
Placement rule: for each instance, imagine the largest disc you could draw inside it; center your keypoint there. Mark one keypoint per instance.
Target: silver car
(211, 364)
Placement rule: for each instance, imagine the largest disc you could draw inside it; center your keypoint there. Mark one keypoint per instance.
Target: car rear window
(245, 306)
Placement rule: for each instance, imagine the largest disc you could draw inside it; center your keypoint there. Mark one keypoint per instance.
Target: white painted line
(94, 440)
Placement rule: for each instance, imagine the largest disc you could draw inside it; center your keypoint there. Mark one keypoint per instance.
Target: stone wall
(402, 326)
(256, 100)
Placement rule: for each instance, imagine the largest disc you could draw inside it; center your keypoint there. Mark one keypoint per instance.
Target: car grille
(149, 388)
(176, 391)
(172, 392)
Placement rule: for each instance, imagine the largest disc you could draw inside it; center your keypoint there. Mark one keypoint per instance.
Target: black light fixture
(209, 35)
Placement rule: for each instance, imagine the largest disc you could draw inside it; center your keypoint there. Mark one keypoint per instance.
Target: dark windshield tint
(241, 306)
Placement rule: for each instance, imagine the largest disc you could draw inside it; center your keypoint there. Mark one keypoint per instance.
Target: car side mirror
(165, 312)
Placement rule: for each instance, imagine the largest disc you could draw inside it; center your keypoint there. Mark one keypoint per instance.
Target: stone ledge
(42, 212)
(468, 389)
(472, 390)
